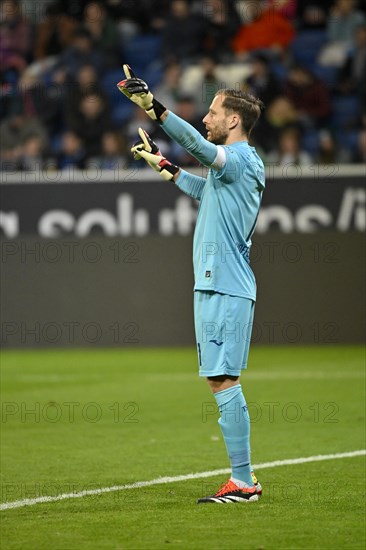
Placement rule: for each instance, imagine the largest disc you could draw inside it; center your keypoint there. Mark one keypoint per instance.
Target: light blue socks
(235, 426)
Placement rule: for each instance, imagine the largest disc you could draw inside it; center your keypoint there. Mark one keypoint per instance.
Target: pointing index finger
(145, 138)
(128, 72)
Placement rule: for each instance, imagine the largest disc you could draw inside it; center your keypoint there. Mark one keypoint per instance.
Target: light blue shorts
(223, 326)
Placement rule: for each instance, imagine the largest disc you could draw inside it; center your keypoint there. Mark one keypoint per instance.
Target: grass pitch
(81, 419)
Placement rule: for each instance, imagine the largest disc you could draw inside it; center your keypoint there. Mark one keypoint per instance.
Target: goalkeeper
(225, 288)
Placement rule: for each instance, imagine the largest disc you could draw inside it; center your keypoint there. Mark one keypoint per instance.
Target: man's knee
(222, 382)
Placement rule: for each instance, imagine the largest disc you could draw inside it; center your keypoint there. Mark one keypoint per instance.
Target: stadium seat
(328, 75)
(120, 107)
(346, 113)
(279, 70)
(310, 142)
(153, 74)
(108, 84)
(306, 47)
(141, 51)
(122, 112)
(348, 140)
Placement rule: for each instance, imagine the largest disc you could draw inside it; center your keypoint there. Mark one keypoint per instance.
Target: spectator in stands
(309, 95)
(221, 23)
(82, 52)
(86, 82)
(15, 37)
(204, 88)
(8, 94)
(357, 153)
(54, 33)
(268, 30)
(262, 82)
(351, 79)
(15, 130)
(34, 11)
(182, 34)
(130, 18)
(289, 150)
(342, 23)
(46, 101)
(80, 40)
(169, 87)
(287, 8)
(72, 8)
(312, 14)
(137, 17)
(278, 115)
(72, 152)
(90, 122)
(103, 32)
(113, 155)
(327, 151)
(360, 154)
(9, 159)
(33, 154)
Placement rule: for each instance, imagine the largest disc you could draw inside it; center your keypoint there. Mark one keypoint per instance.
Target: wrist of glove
(149, 151)
(138, 91)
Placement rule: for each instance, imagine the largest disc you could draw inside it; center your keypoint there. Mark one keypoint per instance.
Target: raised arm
(183, 133)
(191, 140)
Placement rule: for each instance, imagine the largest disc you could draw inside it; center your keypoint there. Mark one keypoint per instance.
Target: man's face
(216, 122)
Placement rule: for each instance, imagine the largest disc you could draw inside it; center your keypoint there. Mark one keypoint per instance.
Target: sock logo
(216, 342)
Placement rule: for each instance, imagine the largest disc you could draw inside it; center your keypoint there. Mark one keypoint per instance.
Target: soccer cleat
(257, 485)
(230, 493)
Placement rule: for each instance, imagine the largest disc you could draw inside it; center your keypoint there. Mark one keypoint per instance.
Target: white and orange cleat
(230, 493)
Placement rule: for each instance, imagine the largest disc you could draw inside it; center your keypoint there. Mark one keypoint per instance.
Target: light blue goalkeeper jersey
(229, 198)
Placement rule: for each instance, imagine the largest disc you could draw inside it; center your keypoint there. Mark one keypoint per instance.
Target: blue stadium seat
(121, 108)
(346, 113)
(279, 70)
(348, 140)
(153, 74)
(329, 75)
(122, 112)
(141, 51)
(306, 46)
(108, 84)
(310, 142)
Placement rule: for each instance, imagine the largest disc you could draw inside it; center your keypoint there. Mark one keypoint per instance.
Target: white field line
(168, 479)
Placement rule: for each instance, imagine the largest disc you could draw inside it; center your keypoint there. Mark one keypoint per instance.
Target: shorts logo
(216, 342)
(208, 274)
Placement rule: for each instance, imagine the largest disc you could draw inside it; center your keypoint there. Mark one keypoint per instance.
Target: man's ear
(235, 120)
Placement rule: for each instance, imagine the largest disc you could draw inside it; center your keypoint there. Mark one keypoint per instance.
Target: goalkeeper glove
(138, 91)
(149, 151)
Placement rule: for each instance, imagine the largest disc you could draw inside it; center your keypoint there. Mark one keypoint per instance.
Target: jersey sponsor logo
(216, 342)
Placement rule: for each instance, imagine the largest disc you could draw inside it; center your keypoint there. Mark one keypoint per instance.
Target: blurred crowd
(60, 62)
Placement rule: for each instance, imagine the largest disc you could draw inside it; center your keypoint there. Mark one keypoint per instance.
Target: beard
(218, 136)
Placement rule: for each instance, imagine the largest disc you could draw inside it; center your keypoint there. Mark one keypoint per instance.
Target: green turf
(155, 417)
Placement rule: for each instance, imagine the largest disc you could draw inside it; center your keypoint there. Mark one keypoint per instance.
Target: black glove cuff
(172, 169)
(159, 109)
